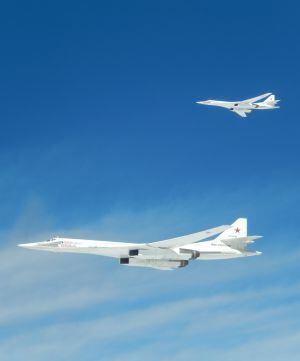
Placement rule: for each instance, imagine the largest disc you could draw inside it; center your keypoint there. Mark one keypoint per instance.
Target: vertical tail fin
(271, 100)
(238, 229)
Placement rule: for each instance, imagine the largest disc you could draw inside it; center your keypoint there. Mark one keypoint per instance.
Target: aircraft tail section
(271, 100)
(238, 229)
(237, 238)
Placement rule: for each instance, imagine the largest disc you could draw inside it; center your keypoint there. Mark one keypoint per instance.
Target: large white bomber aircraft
(243, 107)
(168, 254)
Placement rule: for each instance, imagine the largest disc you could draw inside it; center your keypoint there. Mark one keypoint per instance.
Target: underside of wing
(242, 113)
(255, 99)
(190, 238)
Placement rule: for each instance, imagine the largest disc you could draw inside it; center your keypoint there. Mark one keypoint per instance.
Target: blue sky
(101, 138)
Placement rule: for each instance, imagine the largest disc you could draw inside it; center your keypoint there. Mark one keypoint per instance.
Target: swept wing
(255, 99)
(190, 238)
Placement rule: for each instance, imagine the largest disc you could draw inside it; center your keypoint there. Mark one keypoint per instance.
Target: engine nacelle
(155, 263)
(193, 254)
(133, 252)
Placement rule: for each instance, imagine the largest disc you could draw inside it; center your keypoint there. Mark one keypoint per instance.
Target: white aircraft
(246, 106)
(168, 254)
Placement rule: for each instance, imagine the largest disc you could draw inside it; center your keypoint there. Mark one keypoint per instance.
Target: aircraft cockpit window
(51, 239)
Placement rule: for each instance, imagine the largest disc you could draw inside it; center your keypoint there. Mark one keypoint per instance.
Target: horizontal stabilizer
(190, 238)
(240, 243)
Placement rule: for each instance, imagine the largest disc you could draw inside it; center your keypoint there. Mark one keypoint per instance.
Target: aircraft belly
(108, 252)
(161, 254)
(245, 106)
(100, 251)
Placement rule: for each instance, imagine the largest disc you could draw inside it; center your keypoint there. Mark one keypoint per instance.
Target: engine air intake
(133, 252)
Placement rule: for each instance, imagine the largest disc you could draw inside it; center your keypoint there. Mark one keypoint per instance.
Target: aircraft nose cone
(30, 245)
(26, 245)
(205, 102)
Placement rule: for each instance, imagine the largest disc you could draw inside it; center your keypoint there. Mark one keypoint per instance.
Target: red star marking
(237, 230)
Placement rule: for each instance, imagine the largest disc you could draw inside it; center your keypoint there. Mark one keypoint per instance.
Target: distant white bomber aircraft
(243, 107)
(168, 254)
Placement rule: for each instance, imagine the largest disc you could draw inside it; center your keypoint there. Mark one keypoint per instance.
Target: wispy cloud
(190, 321)
(65, 306)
